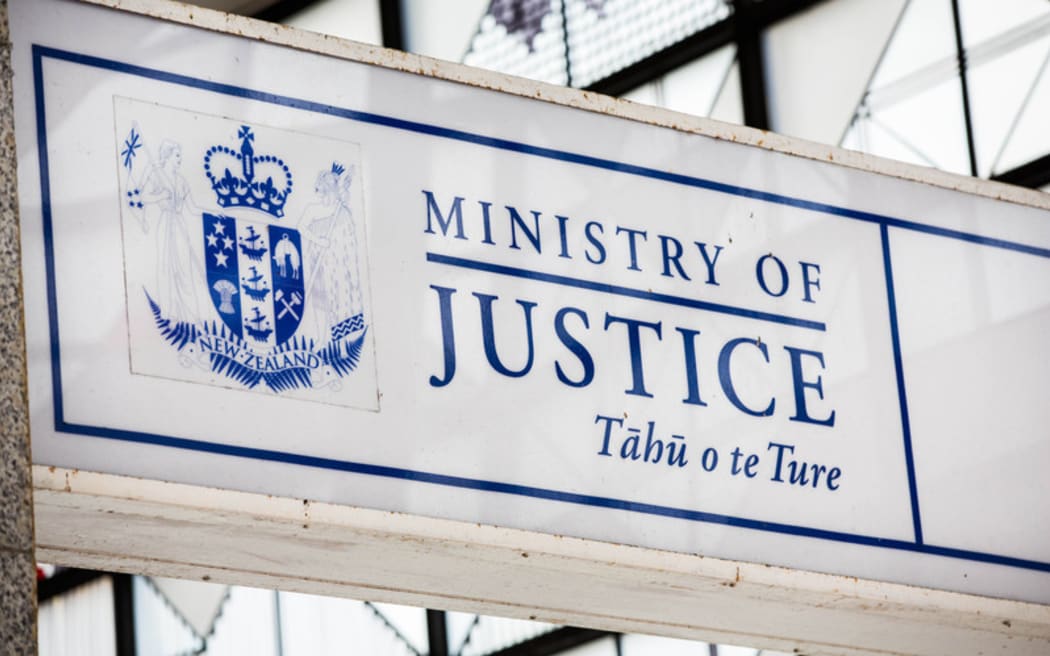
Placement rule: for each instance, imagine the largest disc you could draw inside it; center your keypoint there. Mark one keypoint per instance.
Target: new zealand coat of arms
(243, 291)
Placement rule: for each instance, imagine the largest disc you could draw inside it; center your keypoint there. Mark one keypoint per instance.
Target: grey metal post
(17, 565)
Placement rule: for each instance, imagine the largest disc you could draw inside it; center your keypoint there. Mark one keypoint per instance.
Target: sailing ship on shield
(239, 290)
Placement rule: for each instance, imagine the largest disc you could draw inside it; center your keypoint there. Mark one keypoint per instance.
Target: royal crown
(264, 182)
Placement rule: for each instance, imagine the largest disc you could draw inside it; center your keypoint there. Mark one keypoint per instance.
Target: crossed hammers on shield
(288, 304)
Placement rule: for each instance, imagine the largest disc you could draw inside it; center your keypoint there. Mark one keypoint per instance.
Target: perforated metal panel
(580, 41)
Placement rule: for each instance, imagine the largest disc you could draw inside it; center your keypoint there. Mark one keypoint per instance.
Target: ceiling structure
(960, 85)
(863, 74)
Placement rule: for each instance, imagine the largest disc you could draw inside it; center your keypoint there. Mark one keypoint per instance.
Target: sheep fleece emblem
(242, 291)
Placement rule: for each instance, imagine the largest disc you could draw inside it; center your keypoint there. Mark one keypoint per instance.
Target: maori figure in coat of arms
(239, 291)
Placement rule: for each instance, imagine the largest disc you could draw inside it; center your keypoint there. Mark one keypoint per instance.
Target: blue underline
(629, 292)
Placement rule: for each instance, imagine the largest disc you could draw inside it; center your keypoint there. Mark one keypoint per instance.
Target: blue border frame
(39, 53)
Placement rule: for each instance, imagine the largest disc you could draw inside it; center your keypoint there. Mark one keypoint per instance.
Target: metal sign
(268, 270)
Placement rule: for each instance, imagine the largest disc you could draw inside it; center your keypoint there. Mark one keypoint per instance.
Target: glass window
(698, 87)
(818, 64)
(357, 20)
(78, 622)
(694, 88)
(912, 110)
(924, 37)
(159, 631)
(982, 20)
(729, 105)
(319, 626)
(246, 624)
(926, 127)
(441, 29)
(1008, 49)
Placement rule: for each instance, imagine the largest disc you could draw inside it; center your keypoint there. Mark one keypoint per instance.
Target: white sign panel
(263, 269)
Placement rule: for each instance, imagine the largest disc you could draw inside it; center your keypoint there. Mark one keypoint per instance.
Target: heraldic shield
(254, 288)
(255, 278)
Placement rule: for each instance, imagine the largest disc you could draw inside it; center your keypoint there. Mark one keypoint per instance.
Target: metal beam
(63, 581)
(960, 51)
(124, 614)
(437, 633)
(766, 13)
(392, 24)
(240, 7)
(751, 59)
(554, 642)
(280, 11)
(1034, 174)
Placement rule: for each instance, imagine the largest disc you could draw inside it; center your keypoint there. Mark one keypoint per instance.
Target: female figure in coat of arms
(332, 282)
(179, 277)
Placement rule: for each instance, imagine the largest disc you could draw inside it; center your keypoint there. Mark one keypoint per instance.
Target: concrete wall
(17, 566)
